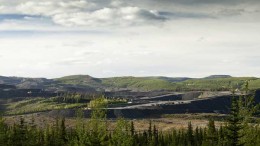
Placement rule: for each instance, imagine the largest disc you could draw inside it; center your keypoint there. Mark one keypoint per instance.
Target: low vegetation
(38, 105)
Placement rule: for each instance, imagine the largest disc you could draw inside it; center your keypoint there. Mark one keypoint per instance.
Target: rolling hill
(213, 83)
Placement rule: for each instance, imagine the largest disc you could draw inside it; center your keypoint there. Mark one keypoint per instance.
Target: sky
(107, 38)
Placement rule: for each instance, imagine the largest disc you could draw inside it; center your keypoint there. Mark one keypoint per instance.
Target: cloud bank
(53, 38)
(90, 13)
(83, 13)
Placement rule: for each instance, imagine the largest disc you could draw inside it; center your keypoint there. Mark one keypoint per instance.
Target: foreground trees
(235, 126)
(124, 134)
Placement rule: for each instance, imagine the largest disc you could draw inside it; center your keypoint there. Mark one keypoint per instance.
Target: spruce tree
(63, 134)
(132, 128)
(155, 135)
(248, 108)
(2, 131)
(121, 135)
(190, 136)
(150, 130)
(234, 126)
(98, 125)
(212, 133)
(80, 130)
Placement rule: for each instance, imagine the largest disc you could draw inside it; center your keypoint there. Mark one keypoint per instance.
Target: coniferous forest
(238, 130)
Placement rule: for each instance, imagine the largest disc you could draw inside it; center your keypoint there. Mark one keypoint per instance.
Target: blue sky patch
(16, 16)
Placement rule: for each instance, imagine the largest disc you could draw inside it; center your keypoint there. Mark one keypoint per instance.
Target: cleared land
(163, 124)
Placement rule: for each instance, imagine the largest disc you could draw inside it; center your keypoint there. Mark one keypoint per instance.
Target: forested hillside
(211, 83)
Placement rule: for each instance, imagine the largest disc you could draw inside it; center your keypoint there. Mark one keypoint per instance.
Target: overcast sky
(104, 38)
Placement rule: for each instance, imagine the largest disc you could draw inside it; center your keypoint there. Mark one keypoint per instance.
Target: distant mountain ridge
(89, 83)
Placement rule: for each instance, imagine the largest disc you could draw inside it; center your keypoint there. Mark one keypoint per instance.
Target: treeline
(238, 130)
(82, 98)
(217, 84)
(72, 98)
(95, 133)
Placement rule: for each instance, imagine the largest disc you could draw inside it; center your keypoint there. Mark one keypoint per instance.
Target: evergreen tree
(3, 130)
(132, 128)
(121, 135)
(62, 133)
(222, 136)
(212, 133)
(190, 137)
(80, 139)
(97, 124)
(198, 137)
(247, 109)
(47, 136)
(155, 135)
(150, 130)
(234, 126)
(32, 133)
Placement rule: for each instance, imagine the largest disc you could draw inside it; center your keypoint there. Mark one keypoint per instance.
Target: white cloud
(108, 16)
(91, 13)
(81, 13)
(116, 3)
(51, 8)
(172, 50)
(1, 7)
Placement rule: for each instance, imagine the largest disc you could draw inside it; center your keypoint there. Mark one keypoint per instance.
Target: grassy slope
(143, 83)
(39, 104)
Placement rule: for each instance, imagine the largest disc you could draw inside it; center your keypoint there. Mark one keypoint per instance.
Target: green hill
(213, 83)
(138, 83)
(82, 80)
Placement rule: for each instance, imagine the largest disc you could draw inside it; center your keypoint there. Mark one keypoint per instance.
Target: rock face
(257, 96)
